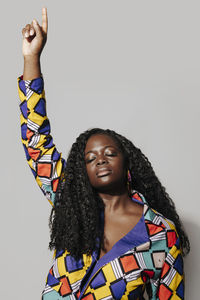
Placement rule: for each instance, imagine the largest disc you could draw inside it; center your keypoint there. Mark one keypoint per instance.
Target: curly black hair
(75, 219)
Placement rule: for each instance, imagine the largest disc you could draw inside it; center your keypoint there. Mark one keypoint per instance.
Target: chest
(115, 228)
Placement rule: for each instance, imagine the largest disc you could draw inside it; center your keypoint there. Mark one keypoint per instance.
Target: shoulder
(163, 221)
(163, 228)
(159, 227)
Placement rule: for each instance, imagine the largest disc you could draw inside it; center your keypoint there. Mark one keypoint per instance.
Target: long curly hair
(75, 218)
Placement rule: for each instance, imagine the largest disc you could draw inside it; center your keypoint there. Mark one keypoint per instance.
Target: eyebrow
(90, 151)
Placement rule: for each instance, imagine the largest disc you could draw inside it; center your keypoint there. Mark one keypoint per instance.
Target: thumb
(37, 27)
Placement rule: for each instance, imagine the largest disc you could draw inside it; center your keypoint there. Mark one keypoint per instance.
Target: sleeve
(171, 281)
(45, 162)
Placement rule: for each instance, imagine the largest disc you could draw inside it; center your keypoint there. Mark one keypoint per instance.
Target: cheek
(119, 166)
(120, 172)
(90, 173)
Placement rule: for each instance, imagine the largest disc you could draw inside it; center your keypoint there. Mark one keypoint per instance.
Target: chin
(107, 185)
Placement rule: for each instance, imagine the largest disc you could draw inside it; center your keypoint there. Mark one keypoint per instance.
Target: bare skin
(107, 174)
(117, 225)
(121, 213)
(34, 39)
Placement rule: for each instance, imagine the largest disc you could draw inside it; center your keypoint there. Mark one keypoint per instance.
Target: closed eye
(111, 154)
(90, 160)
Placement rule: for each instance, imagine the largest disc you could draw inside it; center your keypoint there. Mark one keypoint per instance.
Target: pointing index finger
(44, 19)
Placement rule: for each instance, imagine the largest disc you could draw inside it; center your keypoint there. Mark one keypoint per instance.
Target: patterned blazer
(149, 254)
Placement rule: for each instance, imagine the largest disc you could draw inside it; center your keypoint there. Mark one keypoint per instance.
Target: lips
(103, 172)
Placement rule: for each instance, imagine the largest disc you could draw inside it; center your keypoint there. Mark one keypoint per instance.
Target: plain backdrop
(132, 66)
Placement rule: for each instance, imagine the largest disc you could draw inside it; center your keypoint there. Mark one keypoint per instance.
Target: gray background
(132, 66)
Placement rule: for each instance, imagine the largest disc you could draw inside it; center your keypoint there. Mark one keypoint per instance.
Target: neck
(115, 201)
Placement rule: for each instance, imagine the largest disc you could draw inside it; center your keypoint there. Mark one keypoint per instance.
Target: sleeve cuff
(28, 87)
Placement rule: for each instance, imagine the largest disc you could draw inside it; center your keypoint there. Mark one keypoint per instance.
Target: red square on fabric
(164, 293)
(78, 294)
(165, 269)
(154, 229)
(34, 154)
(55, 184)
(65, 287)
(171, 238)
(29, 134)
(88, 297)
(136, 196)
(44, 170)
(149, 273)
(129, 263)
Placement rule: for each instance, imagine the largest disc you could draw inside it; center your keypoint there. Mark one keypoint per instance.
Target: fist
(35, 36)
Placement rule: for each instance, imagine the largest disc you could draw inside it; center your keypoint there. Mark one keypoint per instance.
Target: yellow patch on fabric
(175, 252)
(74, 276)
(57, 287)
(87, 260)
(132, 285)
(102, 291)
(175, 282)
(108, 272)
(61, 266)
(175, 297)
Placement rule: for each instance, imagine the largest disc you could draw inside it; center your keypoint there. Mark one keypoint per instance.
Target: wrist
(32, 67)
(32, 58)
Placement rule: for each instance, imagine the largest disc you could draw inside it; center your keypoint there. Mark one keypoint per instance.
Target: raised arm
(43, 158)
(34, 40)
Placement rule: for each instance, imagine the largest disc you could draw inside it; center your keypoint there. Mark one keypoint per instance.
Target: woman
(110, 226)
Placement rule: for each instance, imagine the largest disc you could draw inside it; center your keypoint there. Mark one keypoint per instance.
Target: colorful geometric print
(149, 254)
(43, 158)
(126, 274)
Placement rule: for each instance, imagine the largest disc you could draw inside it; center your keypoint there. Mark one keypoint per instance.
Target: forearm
(32, 68)
(45, 161)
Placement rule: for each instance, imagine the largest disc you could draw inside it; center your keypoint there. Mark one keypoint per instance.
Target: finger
(28, 26)
(44, 20)
(36, 27)
(32, 30)
(27, 30)
(23, 32)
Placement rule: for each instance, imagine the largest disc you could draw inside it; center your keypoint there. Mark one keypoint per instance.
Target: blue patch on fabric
(40, 107)
(59, 253)
(51, 280)
(118, 288)
(180, 290)
(22, 87)
(178, 243)
(56, 155)
(178, 264)
(45, 128)
(37, 85)
(23, 108)
(23, 131)
(64, 162)
(99, 280)
(34, 173)
(72, 264)
(49, 143)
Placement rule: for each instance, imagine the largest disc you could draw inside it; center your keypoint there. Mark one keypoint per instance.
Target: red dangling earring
(129, 181)
(129, 176)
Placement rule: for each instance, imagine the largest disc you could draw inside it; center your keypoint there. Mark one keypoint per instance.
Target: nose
(101, 161)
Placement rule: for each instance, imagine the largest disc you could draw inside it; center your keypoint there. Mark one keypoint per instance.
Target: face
(104, 163)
